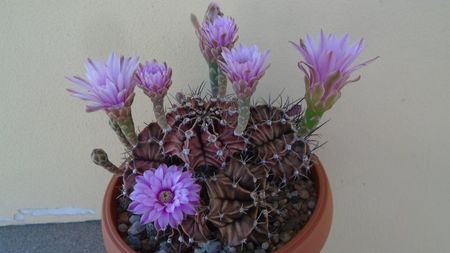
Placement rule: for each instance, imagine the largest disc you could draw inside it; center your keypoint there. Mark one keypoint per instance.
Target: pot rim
(319, 176)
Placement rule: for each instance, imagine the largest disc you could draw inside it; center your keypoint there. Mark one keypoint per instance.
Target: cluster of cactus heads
(236, 172)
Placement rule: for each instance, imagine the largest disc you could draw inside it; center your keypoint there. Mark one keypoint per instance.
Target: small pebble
(134, 242)
(292, 223)
(151, 230)
(146, 246)
(275, 204)
(165, 247)
(297, 206)
(295, 199)
(275, 238)
(135, 218)
(265, 245)
(136, 228)
(122, 228)
(123, 218)
(229, 249)
(285, 237)
(124, 202)
(304, 194)
(311, 204)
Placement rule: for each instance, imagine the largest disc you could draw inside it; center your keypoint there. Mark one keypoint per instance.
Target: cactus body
(202, 132)
(237, 172)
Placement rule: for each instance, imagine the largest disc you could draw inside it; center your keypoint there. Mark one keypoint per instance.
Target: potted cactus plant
(218, 172)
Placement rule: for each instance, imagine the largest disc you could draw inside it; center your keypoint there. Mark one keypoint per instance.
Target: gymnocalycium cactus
(209, 174)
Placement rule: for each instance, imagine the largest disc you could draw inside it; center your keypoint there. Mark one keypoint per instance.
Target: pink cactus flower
(216, 31)
(154, 78)
(327, 65)
(220, 33)
(244, 66)
(107, 85)
(328, 68)
(164, 195)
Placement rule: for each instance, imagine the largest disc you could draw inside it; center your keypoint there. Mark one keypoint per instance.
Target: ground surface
(80, 237)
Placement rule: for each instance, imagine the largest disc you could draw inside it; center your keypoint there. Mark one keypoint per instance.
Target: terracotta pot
(310, 239)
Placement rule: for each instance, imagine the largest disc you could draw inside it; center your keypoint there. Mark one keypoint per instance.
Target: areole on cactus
(207, 174)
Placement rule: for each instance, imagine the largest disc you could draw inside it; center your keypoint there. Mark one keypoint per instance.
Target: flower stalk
(122, 138)
(160, 114)
(244, 115)
(244, 67)
(222, 80)
(123, 118)
(155, 79)
(214, 78)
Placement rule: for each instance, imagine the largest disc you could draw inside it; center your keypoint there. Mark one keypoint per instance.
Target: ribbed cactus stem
(222, 81)
(214, 78)
(160, 114)
(100, 158)
(244, 115)
(126, 124)
(119, 133)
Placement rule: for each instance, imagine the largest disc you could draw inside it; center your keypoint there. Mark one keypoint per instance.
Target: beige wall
(389, 142)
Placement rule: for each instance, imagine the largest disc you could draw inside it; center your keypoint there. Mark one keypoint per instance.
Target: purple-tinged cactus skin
(244, 66)
(237, 205)
(148, 153)
(235, 173)
(164, 195)
(203, 132)
(110, 86)
(274, 139)
(328, 68)
(215, 33)
(155, 79)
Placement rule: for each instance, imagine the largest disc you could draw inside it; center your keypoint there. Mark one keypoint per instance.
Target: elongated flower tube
(244, 66)
(216, 32)
(327, 67)
(155, 79)
(110, 86)
(165, 196)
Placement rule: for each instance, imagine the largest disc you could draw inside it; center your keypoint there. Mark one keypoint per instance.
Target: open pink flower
(154, 78)
(164, 196)
(328, 65)
(244, 66)
(107, 85)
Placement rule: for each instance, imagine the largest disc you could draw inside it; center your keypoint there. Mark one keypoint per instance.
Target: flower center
(165, 196)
